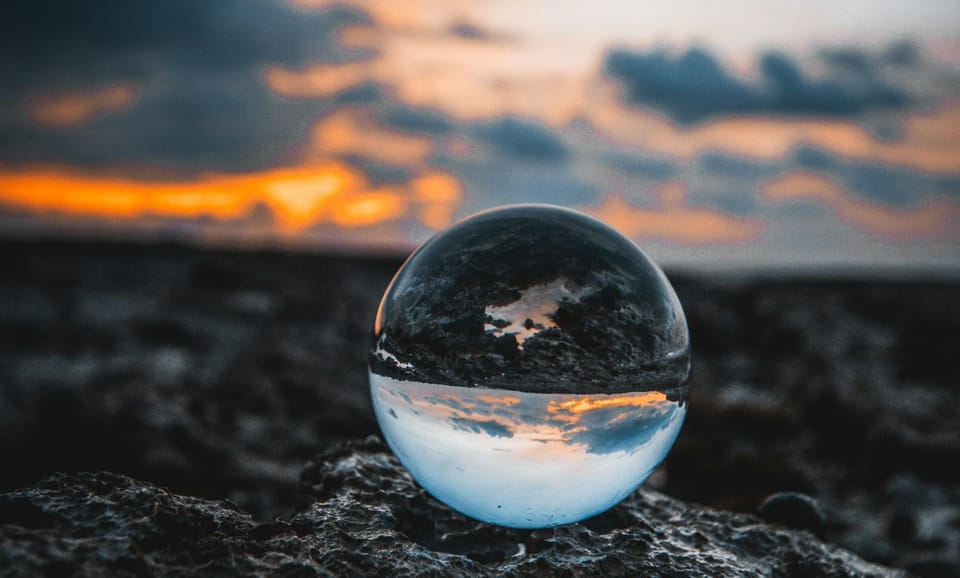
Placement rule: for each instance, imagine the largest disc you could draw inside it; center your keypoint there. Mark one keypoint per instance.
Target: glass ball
(530, 366)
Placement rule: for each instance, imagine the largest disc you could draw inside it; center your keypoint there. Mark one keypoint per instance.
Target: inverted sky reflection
(525, 459)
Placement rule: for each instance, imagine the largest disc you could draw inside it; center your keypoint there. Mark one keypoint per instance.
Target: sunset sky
(716, 135)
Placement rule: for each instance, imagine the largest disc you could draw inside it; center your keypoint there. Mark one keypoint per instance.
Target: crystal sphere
(530, 366)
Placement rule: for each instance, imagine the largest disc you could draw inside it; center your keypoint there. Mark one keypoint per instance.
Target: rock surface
(219, 374)
(365, 517)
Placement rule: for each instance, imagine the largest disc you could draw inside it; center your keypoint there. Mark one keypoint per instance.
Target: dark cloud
(641, 165)
(503, 181)
(809, 157)
(492, 428)
(846, 59)
(894, 186)
(423, 121)
(883, 184)
(866, 64)
(715, 163)
(902, 53)
(522, 140)
(377, 172)
(198, 66)
(52, 42)
(693, 87)
(728, 182)
(448, 401)
(469, 31)
(738, 200)
(368, 93)
(887, 185)
(610, 430)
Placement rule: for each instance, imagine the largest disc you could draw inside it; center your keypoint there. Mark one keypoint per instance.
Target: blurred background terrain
(201, 204)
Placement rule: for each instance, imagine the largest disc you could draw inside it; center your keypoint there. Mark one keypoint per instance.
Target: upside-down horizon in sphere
(530, 366)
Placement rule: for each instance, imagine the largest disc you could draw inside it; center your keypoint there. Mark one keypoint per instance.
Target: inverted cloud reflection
(594, 424)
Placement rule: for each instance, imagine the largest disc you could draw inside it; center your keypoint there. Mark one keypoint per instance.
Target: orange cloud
(508, 400)
(438, 196)
(319, 81)
(578, 405)
(369, 208)
(933, 220)
(672, 221)
(71, 109)
(353, 131)
(424, 66)
(298, 197)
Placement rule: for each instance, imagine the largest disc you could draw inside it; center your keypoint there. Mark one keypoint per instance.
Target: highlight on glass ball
(530, 366)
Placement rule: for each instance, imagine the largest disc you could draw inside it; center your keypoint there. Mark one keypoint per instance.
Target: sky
(718, 136)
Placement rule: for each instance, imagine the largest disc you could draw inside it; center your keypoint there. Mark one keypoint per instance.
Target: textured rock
(364, 516)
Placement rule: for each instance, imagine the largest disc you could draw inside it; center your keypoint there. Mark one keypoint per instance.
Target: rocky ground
(218, 375)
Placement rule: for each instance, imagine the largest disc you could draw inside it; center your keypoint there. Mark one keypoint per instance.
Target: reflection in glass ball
(530, 366)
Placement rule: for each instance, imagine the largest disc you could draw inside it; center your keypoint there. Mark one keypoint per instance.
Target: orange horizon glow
(297, 197)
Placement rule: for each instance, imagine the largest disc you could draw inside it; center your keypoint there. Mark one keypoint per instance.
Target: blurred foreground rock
(364, 516)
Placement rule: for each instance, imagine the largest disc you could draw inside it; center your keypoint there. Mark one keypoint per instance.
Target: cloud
(378, 173)
(849, 59)
(730, 182)
(196, 70)
(608, 431)
(929, 141)
(673, 221)
(424, 121)
(694, 86)
(503, 181)
(357, 131)
(888, 185)
(894, 186)
(469, 31)
(934, 220)
(522, 140)
(641, 165)
(61, 41)
(317, 80)
(718, 165)
(69, 109)
(902, 53)
(491, 427)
